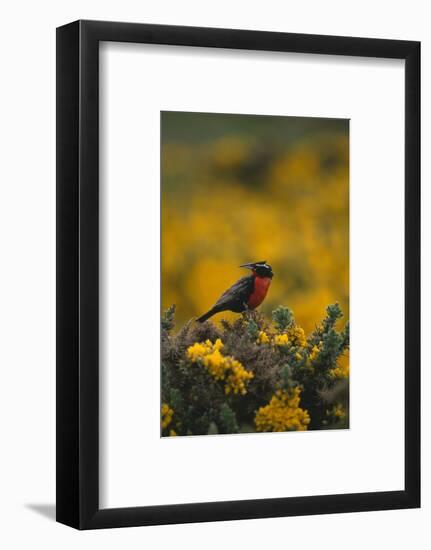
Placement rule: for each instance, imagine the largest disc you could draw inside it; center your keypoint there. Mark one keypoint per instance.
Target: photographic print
(255, 273)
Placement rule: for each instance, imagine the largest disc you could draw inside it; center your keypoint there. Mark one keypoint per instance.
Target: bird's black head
(262, 269)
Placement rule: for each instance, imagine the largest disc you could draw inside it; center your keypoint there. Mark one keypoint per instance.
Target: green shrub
(254, 374)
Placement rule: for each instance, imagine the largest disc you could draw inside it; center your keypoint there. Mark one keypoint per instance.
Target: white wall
(27, 352)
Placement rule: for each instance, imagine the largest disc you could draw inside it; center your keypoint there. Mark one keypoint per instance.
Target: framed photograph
(238, 274)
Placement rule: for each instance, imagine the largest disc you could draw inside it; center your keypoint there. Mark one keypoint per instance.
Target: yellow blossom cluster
(314, 353)
(340, 371)
(263, 338)
(219, 366)
(281, 339)
(294, 335)
(337, 411)
(283, 413)
(167, 414)
(199, 350)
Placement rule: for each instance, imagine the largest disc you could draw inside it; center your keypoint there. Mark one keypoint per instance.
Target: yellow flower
(314, 353)
(236, 380)
(215, 364)
(283, 413)
(296, 336)
(218, 344)
(167, 414)
(262, 338)
(340, 371)
(337, 411)
(281, 339)
(172, 433)
(219, 366)
(196, 351)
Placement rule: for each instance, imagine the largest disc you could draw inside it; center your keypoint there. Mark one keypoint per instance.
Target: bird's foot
(248, 313)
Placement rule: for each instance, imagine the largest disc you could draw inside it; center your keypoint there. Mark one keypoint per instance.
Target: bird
(247, 293)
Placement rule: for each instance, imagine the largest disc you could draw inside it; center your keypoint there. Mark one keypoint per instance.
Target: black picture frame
(78, 274)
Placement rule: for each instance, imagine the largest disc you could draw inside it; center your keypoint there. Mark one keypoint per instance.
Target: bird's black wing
(236, 295)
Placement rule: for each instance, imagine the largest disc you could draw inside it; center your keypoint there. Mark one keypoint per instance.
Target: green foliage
(212, 430)
(283, 317)
(253, 329)
(333, 314)
(228, 423)
(345, 337)
(286, 377)
(168, 316)
(216, 378)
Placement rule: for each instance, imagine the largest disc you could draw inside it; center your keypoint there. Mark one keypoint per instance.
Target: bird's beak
(248, 266)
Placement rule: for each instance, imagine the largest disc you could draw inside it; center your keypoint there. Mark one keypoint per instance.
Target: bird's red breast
(261, 285)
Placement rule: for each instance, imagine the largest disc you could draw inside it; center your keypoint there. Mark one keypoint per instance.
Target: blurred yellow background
(245, 188)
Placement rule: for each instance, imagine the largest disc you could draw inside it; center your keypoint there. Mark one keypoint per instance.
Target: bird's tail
(206, 315)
